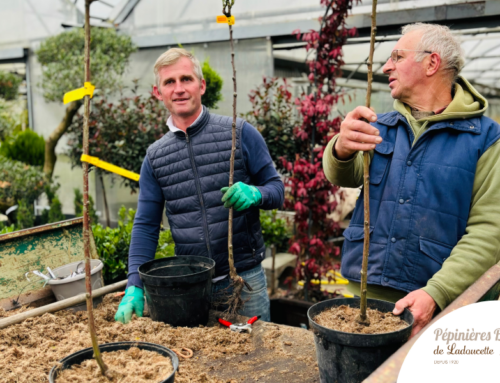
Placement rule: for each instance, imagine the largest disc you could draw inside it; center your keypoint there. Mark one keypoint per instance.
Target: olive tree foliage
(62, 60)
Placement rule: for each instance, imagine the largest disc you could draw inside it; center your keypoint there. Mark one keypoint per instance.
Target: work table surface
(281, 354)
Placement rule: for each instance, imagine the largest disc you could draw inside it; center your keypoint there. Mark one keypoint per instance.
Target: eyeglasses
(395, 56)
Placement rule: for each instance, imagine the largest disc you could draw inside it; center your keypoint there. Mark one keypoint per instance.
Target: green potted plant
(274, 231)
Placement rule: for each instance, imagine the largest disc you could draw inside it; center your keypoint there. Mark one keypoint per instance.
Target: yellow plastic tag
(78, 94)
(109, 167)
(224, 20)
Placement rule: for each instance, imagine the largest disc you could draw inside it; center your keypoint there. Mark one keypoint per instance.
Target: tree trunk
(53, 139)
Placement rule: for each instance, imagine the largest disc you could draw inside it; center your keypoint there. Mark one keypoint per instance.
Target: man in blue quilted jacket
(187, 172)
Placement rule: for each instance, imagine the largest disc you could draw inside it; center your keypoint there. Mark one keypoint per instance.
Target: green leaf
(274, 233)
(214, 82)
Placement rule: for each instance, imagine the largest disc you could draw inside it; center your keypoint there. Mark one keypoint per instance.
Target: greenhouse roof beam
(12, 55)
(301, 67)
(455, 14)
(121, 11)
(106, 3)
(39, 18)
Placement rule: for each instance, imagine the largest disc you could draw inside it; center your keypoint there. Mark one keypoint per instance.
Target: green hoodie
(466, 103)
(479, 248)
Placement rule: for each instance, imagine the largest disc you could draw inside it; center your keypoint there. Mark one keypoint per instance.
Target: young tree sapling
(234, 301)
(86, 225)
(366, 180)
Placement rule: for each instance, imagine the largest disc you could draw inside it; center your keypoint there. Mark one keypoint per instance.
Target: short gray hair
(170, 57)
(439, 39)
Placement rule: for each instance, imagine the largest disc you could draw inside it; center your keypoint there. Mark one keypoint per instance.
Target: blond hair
(170, 57)
(439, 39)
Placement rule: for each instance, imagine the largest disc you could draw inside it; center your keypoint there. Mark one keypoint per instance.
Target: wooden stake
(105, 200)
(273, 270)
(86, 234)
(60, 305)
(366, 179)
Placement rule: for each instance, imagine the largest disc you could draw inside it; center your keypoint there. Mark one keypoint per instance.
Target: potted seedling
(139, 357)
(274, 233)
(354, 337)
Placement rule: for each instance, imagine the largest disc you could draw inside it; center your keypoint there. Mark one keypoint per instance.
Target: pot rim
(104, 346)
(203, 259)
(354, 336)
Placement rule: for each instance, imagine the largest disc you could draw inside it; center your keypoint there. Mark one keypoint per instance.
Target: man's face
(180, 89)
(406, 74)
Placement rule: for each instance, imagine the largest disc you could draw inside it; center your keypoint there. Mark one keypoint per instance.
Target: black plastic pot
(292, 312)
(178, 289)
(350, 358)
(82, 355)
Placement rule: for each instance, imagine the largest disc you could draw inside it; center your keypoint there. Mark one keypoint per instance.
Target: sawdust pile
(30, 349)
(124, 366)
(273, 339)
(343, 318)
(5, 314)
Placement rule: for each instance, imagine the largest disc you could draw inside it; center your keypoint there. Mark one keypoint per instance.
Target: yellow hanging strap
(109, 167)
(78, 94)
(224, 20)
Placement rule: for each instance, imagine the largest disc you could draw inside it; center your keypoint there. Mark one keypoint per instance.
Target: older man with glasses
(434, 179)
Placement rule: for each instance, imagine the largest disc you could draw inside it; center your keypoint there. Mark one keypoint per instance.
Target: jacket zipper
(198, 187)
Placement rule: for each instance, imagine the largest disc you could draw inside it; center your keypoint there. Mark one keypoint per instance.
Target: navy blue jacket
(186, 174)
(420, 199)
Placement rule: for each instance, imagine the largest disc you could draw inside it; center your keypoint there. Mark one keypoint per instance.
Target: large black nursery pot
(82, 355)
(178, 289)
(350, 358)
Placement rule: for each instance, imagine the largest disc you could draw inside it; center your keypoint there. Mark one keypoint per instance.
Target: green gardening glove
(241, 196)
(133, 301)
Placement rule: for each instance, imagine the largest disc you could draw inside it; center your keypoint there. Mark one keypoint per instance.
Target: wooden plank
(34, 298)
(41, 229)
(36, 248)
(60, 305)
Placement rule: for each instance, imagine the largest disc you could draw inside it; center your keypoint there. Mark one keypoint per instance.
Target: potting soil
(343, 318)
(124, 366)
(30, 349)
(271, 354)
(5, 314)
